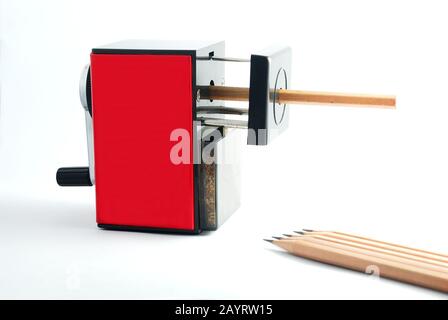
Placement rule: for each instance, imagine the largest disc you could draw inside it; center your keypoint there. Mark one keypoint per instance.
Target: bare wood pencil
(284, 96)
(362, 262)
(381, 244)
(373, 252)
(379, 249)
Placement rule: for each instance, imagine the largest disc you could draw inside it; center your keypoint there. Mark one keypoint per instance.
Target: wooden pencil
(374, 252)
(380, 244)
(364, 262)
(377, 249)
(287, 96)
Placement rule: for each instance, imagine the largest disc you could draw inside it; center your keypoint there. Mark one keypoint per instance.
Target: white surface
(374, 172)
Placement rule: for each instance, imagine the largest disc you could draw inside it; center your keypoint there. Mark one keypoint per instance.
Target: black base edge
(148, 229)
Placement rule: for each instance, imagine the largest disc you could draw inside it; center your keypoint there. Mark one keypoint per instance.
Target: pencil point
(308, 230)
(278, 238)
(269, 240)
(300, 232)
(287, 235)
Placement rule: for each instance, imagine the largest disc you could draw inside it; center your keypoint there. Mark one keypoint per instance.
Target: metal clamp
(223, 59)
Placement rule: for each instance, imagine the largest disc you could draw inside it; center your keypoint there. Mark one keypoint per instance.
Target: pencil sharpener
(161, 158)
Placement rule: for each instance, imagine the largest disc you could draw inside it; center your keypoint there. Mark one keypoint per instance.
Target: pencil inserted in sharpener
(163, 149)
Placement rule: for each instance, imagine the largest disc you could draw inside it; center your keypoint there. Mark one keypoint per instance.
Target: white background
(380, 173)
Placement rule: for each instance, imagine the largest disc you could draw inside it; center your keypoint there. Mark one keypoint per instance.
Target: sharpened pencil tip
(308, 230)
(269, 240)
(287, 235)
(300, 232)
(278, 238)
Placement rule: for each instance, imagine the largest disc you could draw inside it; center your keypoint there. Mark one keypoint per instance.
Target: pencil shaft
(365, 263)
(384, 245)
(384, 254)
(284, 96)
(313, 97)
(388, 243)
(375, 248)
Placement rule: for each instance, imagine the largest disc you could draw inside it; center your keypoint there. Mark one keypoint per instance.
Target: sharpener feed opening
(281, 82)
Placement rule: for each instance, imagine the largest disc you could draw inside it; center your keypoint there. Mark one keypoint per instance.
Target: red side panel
(137, 101)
